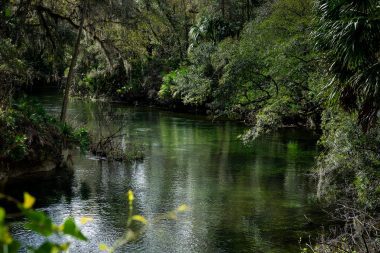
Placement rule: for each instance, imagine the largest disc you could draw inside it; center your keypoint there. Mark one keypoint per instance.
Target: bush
(348, 174)
(29, 134)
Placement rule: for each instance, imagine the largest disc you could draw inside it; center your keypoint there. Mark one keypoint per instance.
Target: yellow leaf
(54, 250)
(103, 247)
(182, 208)
(29, 200)
(84, 220)
(7, 238)
(139, 218)
(65, 246)
(59, 228)
(131, 197)
(172, 215)
(131, 236)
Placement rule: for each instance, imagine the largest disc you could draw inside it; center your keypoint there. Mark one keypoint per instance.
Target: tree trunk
(187, 26)
(71, 69)
(223, 7)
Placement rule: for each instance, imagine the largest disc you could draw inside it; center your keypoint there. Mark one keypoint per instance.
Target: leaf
(103, 247)
(131, 197)
(70, 228)
(2, 215)
(139, 218)
(11, 248)
(6, 237)
(39, 222)
(65, 246)
(48, 247)
(182, 208)
(29, 201)
(8, 12)
(172, 215)
(84, 220)
(131, 236)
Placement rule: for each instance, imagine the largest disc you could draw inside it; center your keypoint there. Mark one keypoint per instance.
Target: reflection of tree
(47, 187)
(85, 191)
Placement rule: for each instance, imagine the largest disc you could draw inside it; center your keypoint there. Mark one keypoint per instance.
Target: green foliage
(82, 137)
(186, 84)
(349, 166)
(6, 240)
(48, 247)
(287, 60)
(100, 83)
(73, 137)
(212, 28)
(13, 71)
(269, 76)
(348, 173)
(349, 33)
(70, 228)
(191, 87)
(243, 87)
(39, 222)
(28, 133)
(19, 126)
(167, 87)
(270, 118)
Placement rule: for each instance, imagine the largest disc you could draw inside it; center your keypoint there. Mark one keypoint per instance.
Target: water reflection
(243, 198)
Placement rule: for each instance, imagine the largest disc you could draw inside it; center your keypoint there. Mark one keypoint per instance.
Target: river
(254, 198)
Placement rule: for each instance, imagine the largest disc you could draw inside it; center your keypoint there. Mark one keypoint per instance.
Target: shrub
(28, 133)
(348, 174)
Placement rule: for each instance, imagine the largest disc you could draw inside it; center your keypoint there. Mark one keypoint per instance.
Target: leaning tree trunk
(71, 70)
(223, 7)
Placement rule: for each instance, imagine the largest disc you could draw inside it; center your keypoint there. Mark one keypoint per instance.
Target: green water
(242, 198)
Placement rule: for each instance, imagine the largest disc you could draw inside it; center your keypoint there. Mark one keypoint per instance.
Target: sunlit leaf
(84, 220)
(131, 236)
(29, 201)
(2, 215)
(182, 208)
(65, 246)
(139, 218)
(172, 216)
(59, 227)
(8, 12)
(103, 247)
(131, 197)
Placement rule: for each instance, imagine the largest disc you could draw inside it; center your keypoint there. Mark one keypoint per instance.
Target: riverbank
(33, 141)
(179, 107)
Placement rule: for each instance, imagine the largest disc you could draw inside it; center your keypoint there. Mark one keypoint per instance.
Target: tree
(44, 29)
(72, 66)
(349, 33)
